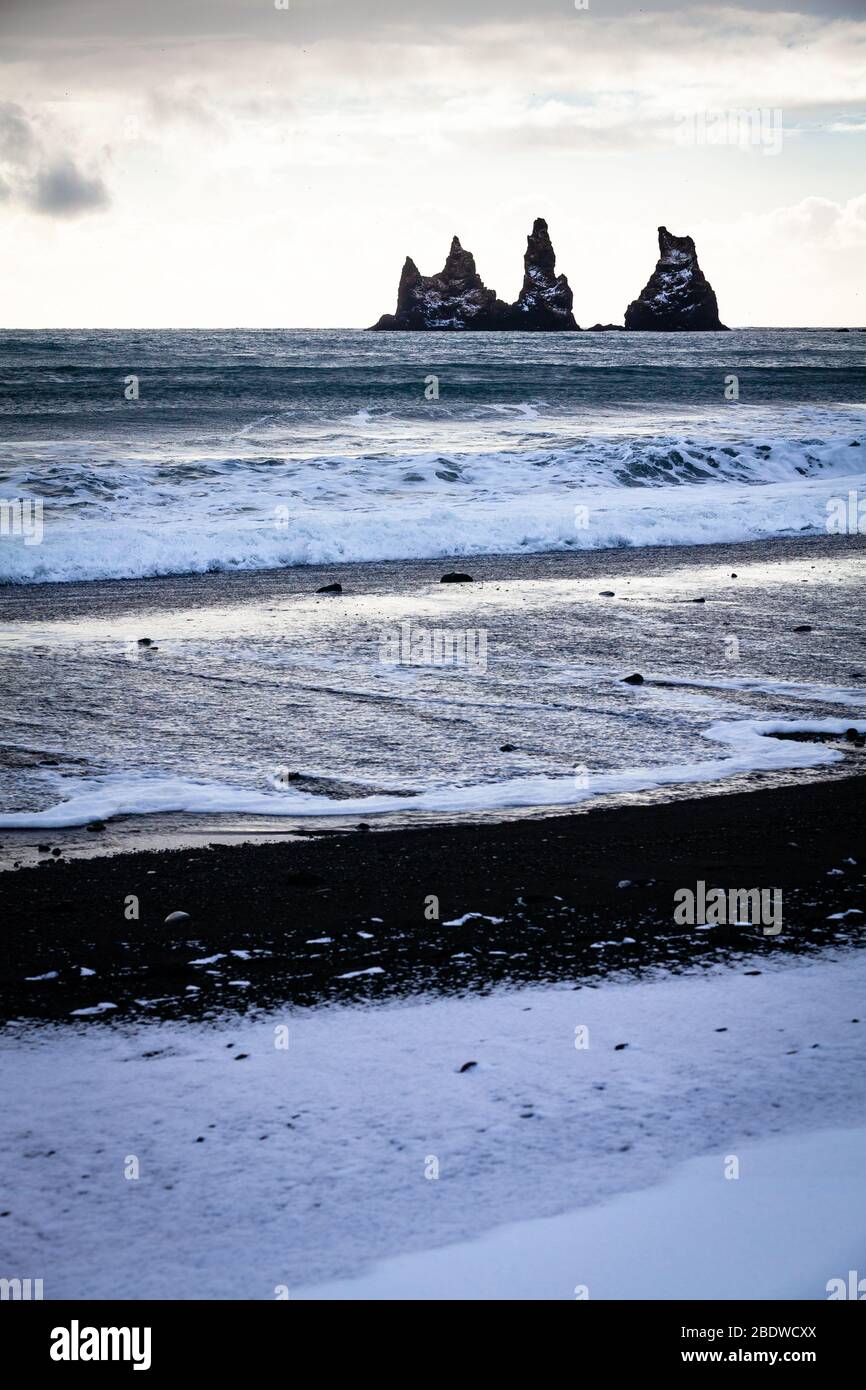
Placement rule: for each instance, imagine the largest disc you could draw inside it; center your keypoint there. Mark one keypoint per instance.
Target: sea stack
(677, 296)
(544, 303)
(457, 297)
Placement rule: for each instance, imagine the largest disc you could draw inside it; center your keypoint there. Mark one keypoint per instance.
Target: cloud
(60, 189)
(44, 182)
(190, 107)
(16, 136)
(233, 135)
(806, 256)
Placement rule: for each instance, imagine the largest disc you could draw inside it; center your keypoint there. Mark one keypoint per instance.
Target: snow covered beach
(309, 1090)
(266, 1171)
(299, 934)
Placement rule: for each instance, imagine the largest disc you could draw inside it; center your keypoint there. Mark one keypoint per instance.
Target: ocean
(256, 450)
(598, 484)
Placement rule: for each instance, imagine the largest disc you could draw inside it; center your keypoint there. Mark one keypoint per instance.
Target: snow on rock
(545, 299)
(677, 296)
(454, 298)
(457, 298)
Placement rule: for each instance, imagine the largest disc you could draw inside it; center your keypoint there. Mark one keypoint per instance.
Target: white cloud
(246, 150)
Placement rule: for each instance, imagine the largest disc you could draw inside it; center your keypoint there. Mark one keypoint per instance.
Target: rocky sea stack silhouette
(457, 297)
(545, 300)
(677, 297)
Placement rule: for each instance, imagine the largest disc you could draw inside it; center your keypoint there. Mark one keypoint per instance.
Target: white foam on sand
(263, 1168)
(749, 741)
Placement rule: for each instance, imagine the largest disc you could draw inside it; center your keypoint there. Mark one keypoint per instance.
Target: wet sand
(252, 674)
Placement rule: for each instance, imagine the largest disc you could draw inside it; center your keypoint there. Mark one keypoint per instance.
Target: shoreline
(342, 916)
(253, 672)
(304, 578)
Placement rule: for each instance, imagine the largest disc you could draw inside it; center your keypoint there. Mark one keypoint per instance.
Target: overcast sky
(223, 163)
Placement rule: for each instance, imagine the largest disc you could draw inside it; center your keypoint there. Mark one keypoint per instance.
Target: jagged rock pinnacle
(545, 300)
(677, 297)
(457, 298)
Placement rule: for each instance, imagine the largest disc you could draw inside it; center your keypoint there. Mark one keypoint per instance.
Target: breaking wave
(247, 451)
(110, 519)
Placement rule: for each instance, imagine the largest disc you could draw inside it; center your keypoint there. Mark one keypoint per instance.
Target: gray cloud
(60, 189)
(33, 176)
(17, 141)
(26, 21)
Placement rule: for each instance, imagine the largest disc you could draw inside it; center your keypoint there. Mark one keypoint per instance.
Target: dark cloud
(26, 24)
(17, 141)
(46, 183)
(60, 189)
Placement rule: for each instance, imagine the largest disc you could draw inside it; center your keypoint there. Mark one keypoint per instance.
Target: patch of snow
(365, 1095)
(473, 917)
(735, 1239)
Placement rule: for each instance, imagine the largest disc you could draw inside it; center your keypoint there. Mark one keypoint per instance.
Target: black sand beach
(313, 909)
(580, 896)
